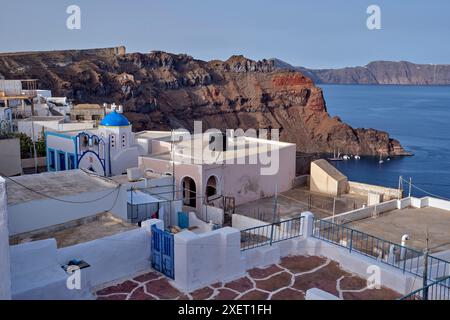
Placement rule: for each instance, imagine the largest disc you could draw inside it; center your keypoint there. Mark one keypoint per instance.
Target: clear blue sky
(317, 34)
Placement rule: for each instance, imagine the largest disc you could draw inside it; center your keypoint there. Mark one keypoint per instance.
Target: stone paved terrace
(287, 280)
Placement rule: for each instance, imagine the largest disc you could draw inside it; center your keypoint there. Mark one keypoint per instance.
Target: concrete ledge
(317, 294)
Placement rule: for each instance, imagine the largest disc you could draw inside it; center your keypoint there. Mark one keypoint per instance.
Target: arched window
(189, 192)
(211, 186)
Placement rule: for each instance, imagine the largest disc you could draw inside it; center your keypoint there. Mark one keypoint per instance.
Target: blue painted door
(163, 252)
(62, 161)
(183, 220)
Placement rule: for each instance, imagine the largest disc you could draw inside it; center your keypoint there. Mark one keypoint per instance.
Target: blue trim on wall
(58, 162)
(49, 151)
(68, 155)
(89, 151)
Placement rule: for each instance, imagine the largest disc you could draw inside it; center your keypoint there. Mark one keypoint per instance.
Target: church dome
(115, 119)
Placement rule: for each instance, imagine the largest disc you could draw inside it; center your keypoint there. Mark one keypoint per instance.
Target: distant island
(377, 72)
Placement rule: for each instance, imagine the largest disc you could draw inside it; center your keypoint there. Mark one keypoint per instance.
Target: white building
(35, 127)
(109, 150)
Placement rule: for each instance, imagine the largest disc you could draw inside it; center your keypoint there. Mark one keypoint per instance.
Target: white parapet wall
(5, 273)
(364, 213)
(202, 259)
(43, 213)
(364, 189)
(37, 272)
(213, 214)
(241, 222)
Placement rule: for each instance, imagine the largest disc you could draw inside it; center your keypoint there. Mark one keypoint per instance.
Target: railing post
(271, 234)
(404, 263)
(351, 241)
(307, 224)
(425, 277)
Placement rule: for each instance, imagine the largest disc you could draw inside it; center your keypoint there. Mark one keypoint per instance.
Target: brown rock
(160, 91)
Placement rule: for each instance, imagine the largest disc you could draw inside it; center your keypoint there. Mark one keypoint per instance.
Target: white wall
(241, 222)
(202, 259)
(42, 213)
(10, 164)
(363, 213)
(213, 214)
(112, 258)
(26, 127)
(37, 271)
(5, 275)
(356, 263)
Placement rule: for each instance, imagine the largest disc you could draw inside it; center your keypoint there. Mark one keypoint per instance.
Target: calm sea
(418, 116)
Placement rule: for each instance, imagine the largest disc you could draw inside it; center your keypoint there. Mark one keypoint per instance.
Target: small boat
(346, 157)
(381, 159)
(338, 158)
(388, 159)
(357, 157)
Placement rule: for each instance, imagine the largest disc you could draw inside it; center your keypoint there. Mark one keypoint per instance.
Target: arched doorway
(189, 192)
(211, 187)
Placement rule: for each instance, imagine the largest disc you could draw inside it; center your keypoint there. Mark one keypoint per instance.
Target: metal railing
(393, 254)
(437, 290)
(271, 233)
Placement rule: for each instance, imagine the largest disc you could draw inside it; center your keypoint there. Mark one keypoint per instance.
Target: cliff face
(161, 91)
(379, 72)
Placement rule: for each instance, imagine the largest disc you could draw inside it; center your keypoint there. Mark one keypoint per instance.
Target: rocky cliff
(161, 90)
(377, 72)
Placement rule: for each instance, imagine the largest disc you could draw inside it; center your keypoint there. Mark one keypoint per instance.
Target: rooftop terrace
(415, 222)
(55, 184)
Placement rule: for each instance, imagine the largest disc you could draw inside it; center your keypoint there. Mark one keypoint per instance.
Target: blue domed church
(108, 150)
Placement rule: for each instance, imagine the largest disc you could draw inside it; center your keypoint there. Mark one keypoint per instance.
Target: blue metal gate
(162, 252)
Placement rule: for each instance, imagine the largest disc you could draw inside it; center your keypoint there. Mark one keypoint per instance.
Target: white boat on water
(357, 157)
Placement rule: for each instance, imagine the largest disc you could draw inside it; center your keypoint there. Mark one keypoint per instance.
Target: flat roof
(123, 179)
(185, 149)
(43, 118)
(54, 184)
(87, 106)
(154, 135)
(414, 222)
